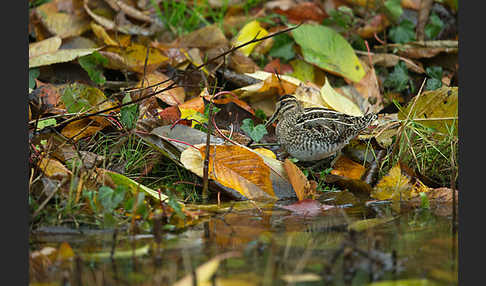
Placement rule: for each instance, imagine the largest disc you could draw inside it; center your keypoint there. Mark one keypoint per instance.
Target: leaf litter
(152, 84)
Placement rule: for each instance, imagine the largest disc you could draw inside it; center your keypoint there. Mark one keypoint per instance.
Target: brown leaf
(275, 65)
(390, 60)
(173, 96)
(302, 187)
(303, 11)
(369, 89)
(373, 26)
(207, 37)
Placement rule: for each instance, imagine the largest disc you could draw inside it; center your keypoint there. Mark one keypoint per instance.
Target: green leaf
(46, 122)
(80, 97)
(398, 79)
(342, 17)
(328, 50)
(282, 47)
(93, 65)
(302, 70)
(403, 33)
(260, 114)
(174, 204)
(255, 132)
(129, 113)
(33, 74)
(393, 8)
(435, 80)
(110, 198)
(433, 27)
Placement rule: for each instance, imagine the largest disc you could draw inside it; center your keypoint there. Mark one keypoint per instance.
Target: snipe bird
(314, 133)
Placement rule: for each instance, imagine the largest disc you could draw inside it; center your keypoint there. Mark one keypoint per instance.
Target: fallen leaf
(250, 31)
(373, 26)
(346, 167)
(78, 97)
(369, 89)
(46, 46)
(62, 24)
(59, 56)
(265, 152)
(133, 186)
(436, 109)
(133, 57)
(427, 49)
(53, 168)
(209, 36)
(328, 50)
(338, 102)
(84, 127)
(303, 11)
(301, 185)
(233, 167)
(173, 96)
(101, 33)
(126, 27)
(118, 254)
(397, 185)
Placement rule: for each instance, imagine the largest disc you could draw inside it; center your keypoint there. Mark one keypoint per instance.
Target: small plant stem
(205, 191)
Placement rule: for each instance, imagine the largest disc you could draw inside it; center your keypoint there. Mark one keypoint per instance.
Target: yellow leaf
(62, 24)
(133, 58)
(397, 185)
(441, 103)
(339, 102)
(205, 271)
(53, 168)
(191, 114)
(265, 152)
(101, 33)
(59, 56)
(248, 33)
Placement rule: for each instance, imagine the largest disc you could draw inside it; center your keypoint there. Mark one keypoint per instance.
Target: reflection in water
(266, 246)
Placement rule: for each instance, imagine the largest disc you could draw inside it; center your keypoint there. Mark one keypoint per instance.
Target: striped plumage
(314, 133)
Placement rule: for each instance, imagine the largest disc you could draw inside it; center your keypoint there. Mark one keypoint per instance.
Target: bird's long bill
(271, 119)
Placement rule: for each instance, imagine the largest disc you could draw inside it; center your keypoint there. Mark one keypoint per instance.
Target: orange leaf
(348, 168)
(195, 103)
(240, 169)
(84, 127)
(283, 86)
(301, 185)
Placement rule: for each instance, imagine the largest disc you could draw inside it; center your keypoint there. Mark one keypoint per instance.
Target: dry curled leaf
(302, 187)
